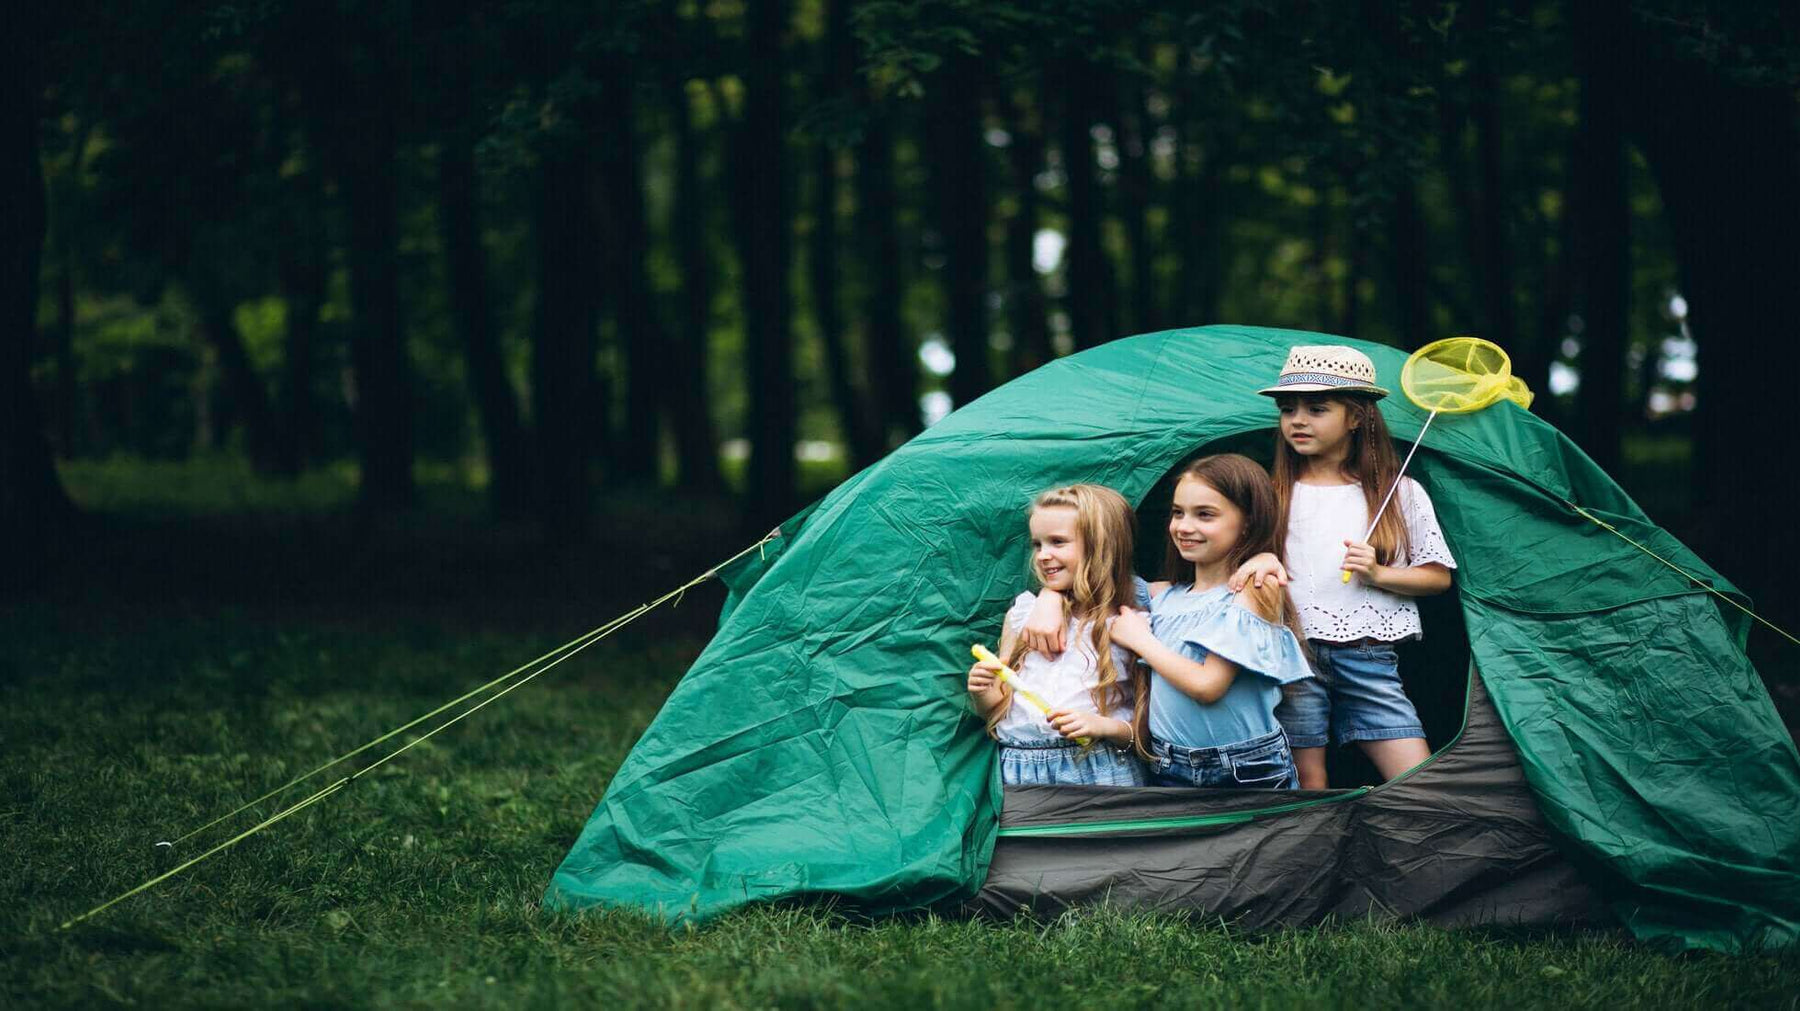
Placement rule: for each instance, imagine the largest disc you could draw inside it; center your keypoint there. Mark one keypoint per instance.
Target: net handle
(1396, 485)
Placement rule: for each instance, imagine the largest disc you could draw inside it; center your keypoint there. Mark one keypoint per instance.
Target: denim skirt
(1065, 763)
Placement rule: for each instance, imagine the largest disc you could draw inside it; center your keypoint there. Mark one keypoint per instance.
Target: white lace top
(1320, 520)
(1066, 682)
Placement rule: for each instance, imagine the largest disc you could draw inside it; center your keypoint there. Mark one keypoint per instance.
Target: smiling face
(1204, 524)
(1056, 546)
(1316, 427)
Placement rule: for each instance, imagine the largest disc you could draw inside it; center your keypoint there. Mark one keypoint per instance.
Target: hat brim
(1279, 390)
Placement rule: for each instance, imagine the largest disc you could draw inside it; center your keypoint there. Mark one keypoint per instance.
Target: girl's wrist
(1121, 732)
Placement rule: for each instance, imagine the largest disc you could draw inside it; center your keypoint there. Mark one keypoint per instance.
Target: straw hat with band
(1325, 368)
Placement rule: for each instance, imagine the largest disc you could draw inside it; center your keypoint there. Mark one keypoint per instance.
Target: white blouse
(1320, 519)
(1066, 682)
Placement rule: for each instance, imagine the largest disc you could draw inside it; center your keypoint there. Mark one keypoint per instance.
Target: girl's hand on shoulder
(1264, 566)
(1131, 629)
(1043, 631)
(1359, 558)
(983, 677)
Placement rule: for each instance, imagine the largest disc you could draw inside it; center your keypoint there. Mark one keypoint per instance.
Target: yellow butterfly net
(1461, 374)
(1456, 375)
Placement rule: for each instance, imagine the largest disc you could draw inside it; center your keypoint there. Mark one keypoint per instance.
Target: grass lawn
(145, 700)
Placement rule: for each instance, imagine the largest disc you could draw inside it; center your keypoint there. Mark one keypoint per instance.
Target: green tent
(1619, 759)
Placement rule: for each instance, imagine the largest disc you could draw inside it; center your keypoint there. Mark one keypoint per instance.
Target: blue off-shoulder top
(1198, 624)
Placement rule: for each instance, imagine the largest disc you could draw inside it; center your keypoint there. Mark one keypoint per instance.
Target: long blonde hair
(1370, 461)
(1099, 585)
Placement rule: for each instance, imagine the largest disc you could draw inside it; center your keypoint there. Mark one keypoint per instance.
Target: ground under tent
(1620, 760)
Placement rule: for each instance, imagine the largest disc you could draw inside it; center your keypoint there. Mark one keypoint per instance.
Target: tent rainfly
(1619, 760)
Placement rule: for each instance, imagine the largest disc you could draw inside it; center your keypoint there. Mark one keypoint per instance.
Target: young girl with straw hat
(1351, 586)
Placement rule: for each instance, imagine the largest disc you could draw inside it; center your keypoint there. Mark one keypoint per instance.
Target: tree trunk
(625, 254)
(888, 348)
(562, 362)
(836, 74)
(383, 411)
(65, 355)
(1090, 298)
(763, 252)
(1134, 187)
(1027, 313)
(472, 316)
(1407, 247)
(1725, 156)
(1356, 266)
(959, 192)
(302, 267)
(244, 388)
(1200, 208)
(696, 441)
(32, 504)
(1496, 275)
(1556, 281)
(1603, 236)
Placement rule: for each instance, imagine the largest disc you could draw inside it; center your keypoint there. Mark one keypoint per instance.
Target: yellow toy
(981, 652)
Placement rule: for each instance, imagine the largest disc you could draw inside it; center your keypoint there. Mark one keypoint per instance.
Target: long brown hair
(1099, 585)
(1245, 484)
(1370, 461)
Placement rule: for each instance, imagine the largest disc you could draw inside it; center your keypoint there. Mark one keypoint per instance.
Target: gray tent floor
(1458, 841)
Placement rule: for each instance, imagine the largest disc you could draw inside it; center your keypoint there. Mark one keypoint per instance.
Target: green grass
(137, 710)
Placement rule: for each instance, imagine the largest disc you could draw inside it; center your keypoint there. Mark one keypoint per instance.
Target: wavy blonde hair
(1099, 586)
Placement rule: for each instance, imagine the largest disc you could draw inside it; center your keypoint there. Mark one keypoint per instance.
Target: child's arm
(1410, 581)
(1205, 681)
(984, 680)
(1043, 630)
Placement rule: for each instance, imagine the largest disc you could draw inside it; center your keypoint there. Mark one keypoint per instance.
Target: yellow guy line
(567, 650)
(1696, 580)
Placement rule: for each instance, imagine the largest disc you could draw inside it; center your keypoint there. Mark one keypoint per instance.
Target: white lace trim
(1323, 518)
(1389, 624)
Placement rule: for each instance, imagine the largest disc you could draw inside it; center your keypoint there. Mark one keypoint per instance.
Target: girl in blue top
(1218, 660)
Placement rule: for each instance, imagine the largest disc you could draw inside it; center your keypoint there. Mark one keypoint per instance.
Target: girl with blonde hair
(1081, 548)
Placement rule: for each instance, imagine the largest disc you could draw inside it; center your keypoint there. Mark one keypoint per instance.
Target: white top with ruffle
(1320, 519)
(1065, 682)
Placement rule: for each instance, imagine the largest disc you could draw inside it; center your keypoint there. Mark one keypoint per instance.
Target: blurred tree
(32, 504)
(352, 65)
(1603, 230)
(1712, 107)
(1027, 310)
(761, 209)
(957, 158)
(696, 439)
(888, 346)
(466, 60)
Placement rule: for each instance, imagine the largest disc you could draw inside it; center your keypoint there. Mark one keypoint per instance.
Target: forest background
(352, 353)
(588, 268)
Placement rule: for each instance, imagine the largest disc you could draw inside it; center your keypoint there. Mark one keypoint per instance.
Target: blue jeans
(1258, 763)
(1065, 763)
(1356, 697)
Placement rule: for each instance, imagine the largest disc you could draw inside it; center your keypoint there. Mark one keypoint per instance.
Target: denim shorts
(1357, 697)
(1065, 763)
(1259, 763)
